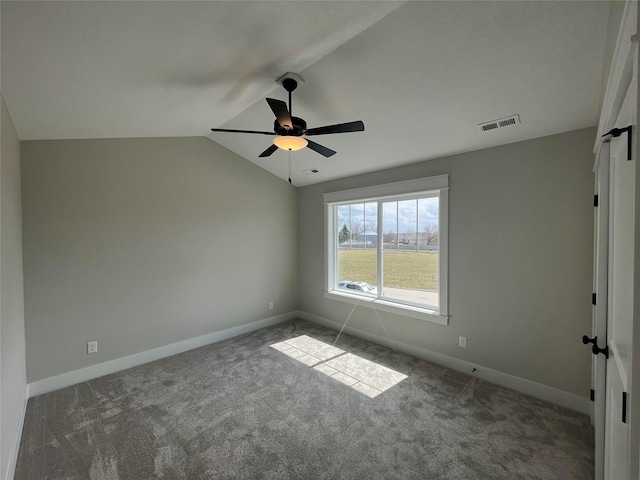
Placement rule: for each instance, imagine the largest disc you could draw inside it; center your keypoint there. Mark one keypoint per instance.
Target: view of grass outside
(411, 270)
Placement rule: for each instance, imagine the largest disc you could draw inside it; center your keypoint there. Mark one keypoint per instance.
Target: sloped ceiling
(421, 75)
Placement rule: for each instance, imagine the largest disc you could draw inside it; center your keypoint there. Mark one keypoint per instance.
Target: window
(387, 247)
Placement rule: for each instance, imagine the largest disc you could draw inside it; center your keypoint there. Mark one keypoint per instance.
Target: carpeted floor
(244, 409)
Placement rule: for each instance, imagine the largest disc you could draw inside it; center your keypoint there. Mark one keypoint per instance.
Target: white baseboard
(82, 375)
(15, 448)
(538, 390)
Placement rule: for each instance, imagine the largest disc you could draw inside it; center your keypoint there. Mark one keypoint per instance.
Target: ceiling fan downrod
(290, 85)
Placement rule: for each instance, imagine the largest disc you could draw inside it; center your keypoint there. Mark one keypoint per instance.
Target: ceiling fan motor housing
(299, 126)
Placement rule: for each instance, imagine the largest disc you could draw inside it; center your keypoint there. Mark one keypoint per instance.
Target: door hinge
(592, 395)
(593, 299)
(616, 132)
(595, 200)
(624, 407)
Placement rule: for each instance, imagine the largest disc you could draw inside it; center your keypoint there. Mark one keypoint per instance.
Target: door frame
(600, 309)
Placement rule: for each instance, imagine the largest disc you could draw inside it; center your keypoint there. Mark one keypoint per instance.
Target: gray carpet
(242, 409)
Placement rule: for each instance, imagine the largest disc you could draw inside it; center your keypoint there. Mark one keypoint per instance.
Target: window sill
(391, 307)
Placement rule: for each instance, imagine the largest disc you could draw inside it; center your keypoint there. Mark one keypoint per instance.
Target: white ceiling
(420, 75)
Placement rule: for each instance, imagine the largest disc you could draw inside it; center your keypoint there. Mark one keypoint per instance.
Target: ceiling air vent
(500, 123)
(488, 126)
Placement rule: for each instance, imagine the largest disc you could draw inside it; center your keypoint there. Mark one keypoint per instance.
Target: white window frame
(416, 187)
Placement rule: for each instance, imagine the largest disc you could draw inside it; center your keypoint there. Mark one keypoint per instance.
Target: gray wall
(139, 243)
(520, 259)
(12, 344)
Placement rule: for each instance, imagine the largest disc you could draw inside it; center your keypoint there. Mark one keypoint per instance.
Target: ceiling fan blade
(356, 126)
(281, 112)
(322, 150)
(269, 151)
(241, 131)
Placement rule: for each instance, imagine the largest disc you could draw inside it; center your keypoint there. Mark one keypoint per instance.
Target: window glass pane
(357, 265)
(370, 229)
(390, 225)
(428, 222)
(410, 265)
(342, 225)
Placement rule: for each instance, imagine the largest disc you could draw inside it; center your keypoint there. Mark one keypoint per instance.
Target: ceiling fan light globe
(290, 143)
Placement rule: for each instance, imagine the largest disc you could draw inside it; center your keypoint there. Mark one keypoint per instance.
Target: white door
(619, 296)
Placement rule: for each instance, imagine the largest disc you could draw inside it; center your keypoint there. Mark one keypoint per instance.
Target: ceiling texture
(421, 76)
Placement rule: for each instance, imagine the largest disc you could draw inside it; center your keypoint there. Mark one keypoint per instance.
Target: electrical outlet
(270, 305)
(92, 347)
(462, 342)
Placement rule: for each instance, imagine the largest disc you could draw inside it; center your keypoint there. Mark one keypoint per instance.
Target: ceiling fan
(289, 130)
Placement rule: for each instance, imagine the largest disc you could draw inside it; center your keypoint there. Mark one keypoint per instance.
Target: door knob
(604, 351)
(586, 340)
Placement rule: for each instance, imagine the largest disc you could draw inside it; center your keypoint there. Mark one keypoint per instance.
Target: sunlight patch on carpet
(363, 375)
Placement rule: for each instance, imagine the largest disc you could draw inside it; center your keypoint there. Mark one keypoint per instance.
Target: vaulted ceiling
(420, 75)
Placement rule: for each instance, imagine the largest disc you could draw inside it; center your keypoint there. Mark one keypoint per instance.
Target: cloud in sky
(397, 216)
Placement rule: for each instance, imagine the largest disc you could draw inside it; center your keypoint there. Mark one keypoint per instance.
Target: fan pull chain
(289, 166)
(345, 322)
